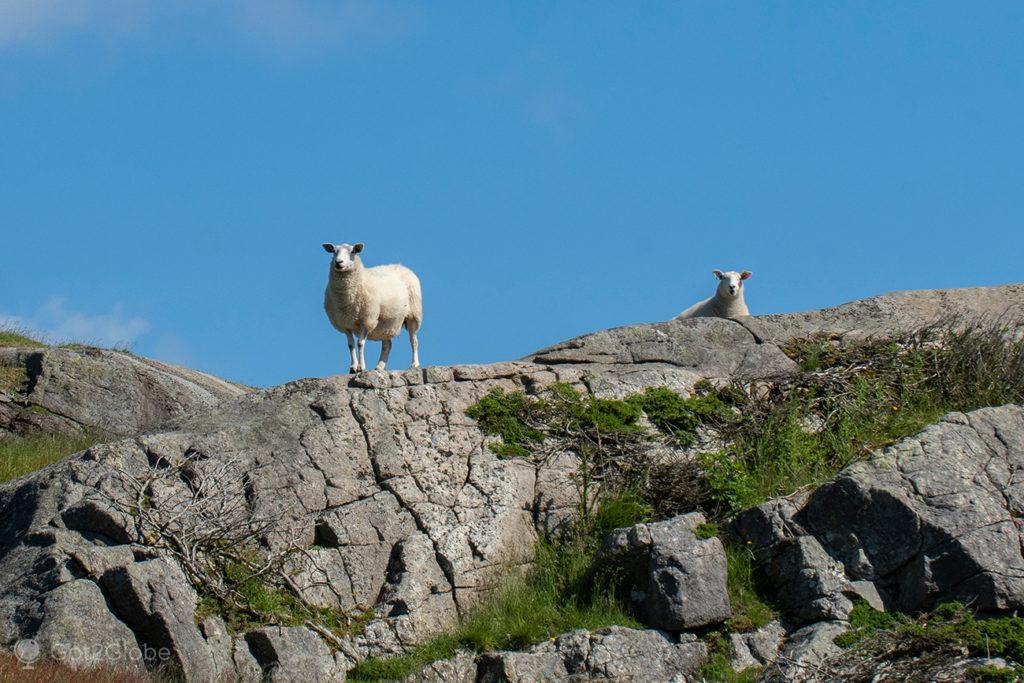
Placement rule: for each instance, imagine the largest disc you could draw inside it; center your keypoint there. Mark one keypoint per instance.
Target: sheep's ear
(717, 273)
(357, 248)
(328, 247)
(745, 274)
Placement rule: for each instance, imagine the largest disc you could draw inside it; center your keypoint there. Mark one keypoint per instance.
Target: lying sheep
(372, 303)
(726, 303)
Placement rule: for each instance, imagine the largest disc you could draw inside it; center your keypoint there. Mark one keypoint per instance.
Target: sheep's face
(730, 284)
(344, 259)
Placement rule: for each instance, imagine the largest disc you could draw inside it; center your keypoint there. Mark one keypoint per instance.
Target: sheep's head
(730, 284)
(344, 259)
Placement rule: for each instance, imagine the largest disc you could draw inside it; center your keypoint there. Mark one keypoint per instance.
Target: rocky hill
(384, 502)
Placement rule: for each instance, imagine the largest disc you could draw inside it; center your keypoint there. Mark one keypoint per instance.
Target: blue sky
(169, 170)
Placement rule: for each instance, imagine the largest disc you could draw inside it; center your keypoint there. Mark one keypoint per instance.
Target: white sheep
(372, 303)
(726, 303)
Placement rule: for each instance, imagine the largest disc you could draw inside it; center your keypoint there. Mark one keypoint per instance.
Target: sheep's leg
(354, 367)
(415, 344)
(385, 351)
(362, 351)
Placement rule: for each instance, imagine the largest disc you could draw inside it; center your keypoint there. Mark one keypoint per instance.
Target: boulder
(678, 580)
(931, 519)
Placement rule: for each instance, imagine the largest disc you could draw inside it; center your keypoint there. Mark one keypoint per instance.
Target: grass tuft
(750, 610)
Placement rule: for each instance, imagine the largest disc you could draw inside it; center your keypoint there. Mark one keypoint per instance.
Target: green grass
(707, 530)
(556, 596)
(21, 455)
(619, 509)
(750, 611)
(14, 379)
(779, 436)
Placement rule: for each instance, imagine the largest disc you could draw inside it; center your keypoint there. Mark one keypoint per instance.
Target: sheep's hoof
(380, 367)
(353, 370)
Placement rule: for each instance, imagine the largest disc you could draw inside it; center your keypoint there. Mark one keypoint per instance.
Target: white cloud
(57, 323)
(286, 28)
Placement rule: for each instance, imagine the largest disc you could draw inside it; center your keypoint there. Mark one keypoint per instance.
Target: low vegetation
(20, 455)
(750, 610)
(18, 337)
(917, 649)
(13, 379)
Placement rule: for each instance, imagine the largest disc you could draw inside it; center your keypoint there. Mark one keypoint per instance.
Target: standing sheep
(372, 303)
(726, 303)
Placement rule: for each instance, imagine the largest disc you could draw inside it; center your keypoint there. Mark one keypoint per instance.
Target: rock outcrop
(409, 514)
(74, 390)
